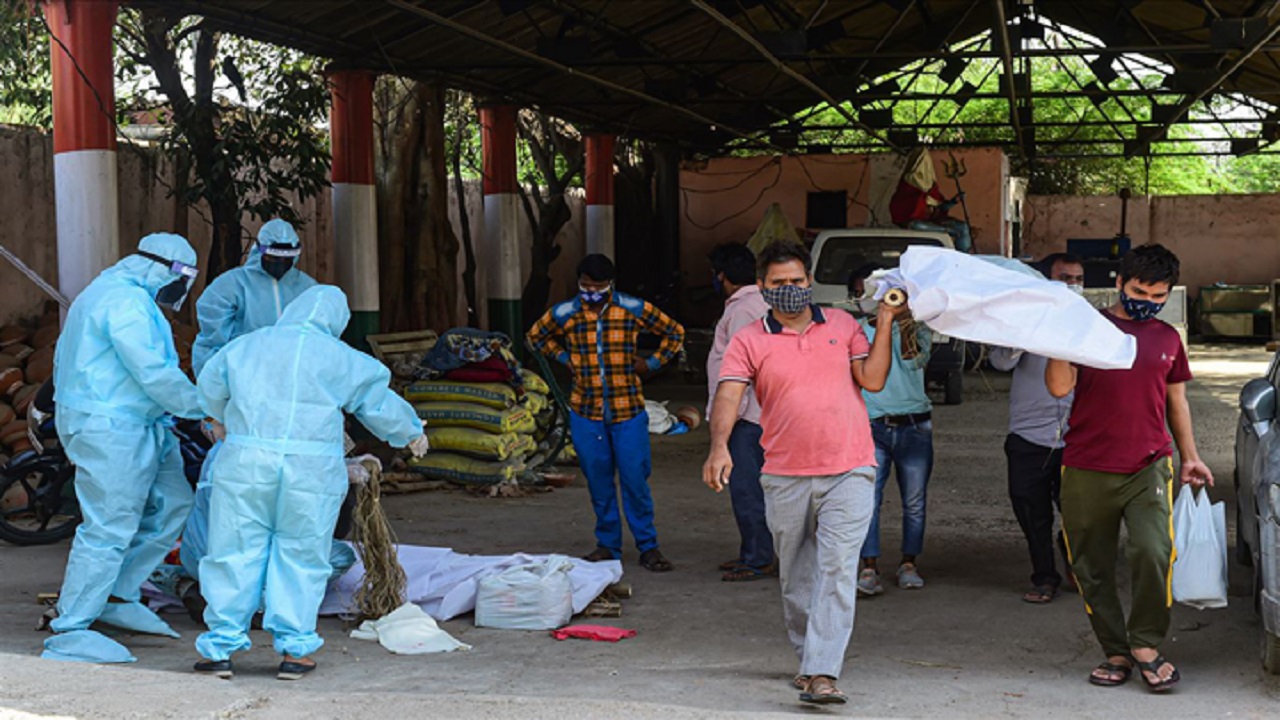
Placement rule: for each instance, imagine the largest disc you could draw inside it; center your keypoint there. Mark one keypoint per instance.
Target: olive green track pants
(1094, 504)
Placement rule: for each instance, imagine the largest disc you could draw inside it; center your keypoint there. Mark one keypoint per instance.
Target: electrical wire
(759, 196)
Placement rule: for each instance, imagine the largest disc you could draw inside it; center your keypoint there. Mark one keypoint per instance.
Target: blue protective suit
(279, 479)
(246, 298)
(117, 379)
(237, 302)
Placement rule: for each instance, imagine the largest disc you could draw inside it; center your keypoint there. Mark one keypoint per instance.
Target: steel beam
(797, 77)
(1185, 106)
(587, 77)
(1001, 30)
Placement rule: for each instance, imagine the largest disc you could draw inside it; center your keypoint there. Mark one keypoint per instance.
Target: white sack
(660, 418)
(989, 302)
(1200, 540)
(536, 596)
(443, 583)
(408, 630)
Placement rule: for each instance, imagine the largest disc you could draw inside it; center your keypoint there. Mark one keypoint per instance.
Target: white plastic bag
(660, 418)
(537, 596)
(1200, 537)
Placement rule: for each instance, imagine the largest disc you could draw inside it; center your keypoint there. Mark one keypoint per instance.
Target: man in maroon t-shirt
(1118, 466)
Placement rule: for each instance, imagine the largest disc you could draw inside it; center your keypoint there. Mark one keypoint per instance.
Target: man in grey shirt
(1037, 425)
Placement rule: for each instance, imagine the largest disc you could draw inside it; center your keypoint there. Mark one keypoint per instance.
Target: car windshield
(842, 255)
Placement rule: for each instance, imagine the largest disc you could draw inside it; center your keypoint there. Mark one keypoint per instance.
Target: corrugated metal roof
(673, 70)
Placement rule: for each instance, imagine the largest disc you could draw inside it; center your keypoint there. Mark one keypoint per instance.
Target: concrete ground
(966, 645)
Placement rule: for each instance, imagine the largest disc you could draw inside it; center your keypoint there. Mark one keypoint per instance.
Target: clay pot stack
(26, 361)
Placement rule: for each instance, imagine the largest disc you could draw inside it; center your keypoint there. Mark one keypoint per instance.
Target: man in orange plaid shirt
(595, 335)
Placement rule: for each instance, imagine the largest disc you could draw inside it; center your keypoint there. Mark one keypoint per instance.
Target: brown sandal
(822, 690)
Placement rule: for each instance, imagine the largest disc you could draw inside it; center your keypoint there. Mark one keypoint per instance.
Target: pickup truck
(837, 253)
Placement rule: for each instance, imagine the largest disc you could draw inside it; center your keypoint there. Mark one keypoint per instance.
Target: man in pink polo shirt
(807, 366)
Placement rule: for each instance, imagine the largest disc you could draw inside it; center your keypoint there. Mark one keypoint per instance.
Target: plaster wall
(723, 200)
(1233, 239)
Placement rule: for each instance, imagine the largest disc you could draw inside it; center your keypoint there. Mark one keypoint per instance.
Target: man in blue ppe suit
(118, 382)
(280, 478)
(237, 302)
(253, 295)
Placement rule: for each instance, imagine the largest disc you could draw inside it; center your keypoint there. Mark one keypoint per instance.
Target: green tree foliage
(241, 120)
(1077, 127)
(26, 90)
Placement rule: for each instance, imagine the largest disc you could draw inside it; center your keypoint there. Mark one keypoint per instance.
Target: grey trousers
(818, 525)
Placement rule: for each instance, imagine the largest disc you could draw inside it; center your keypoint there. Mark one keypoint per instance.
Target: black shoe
(292, 670)
(216, 668)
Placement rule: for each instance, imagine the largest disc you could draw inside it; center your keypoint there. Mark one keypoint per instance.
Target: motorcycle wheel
(38, 508)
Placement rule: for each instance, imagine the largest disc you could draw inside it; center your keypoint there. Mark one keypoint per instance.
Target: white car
(837, 253)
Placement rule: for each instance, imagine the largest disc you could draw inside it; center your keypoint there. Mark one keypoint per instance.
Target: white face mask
(1077, 289)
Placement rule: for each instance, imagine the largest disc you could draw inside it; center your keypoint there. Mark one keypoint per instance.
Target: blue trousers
(747, 494)
(908, 449)
(606, 449)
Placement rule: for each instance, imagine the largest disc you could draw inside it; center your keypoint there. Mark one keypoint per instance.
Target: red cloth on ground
(911, 203)
(494, 369)
(603, 633)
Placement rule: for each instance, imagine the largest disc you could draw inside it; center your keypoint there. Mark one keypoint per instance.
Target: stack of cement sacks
(481, 433)
(26, 361)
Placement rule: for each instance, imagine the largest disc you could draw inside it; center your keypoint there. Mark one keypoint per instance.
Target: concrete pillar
(355, 209)
(504, 278)
(84, 139)
(599, 179)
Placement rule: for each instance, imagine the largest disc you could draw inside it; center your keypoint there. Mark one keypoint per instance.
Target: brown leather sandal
(822, 690)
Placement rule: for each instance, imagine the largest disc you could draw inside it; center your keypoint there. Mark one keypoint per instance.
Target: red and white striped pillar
(504, 278)
(84, 139)
(355, 208)
(599, 180)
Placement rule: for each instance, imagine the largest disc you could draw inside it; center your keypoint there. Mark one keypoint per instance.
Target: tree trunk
(436, 283)
(464, 222)
(399, 122)
(416, 242)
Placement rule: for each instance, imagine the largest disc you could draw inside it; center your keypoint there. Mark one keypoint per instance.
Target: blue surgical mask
(1139, 310)
(594, 297)
(788, 299)
(717, 283)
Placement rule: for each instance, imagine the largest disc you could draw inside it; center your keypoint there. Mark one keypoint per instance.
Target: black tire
(24, 524)
(955, 388)
(1244, 555)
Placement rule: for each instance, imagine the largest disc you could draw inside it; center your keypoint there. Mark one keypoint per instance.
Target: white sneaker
(909, 578)
(869, 583)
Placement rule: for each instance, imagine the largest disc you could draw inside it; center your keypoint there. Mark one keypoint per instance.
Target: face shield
(173, 293)
(278, 258)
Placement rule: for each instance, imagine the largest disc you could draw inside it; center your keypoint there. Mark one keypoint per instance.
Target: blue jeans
(909, 449)
(748, 496)
(622, 448)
